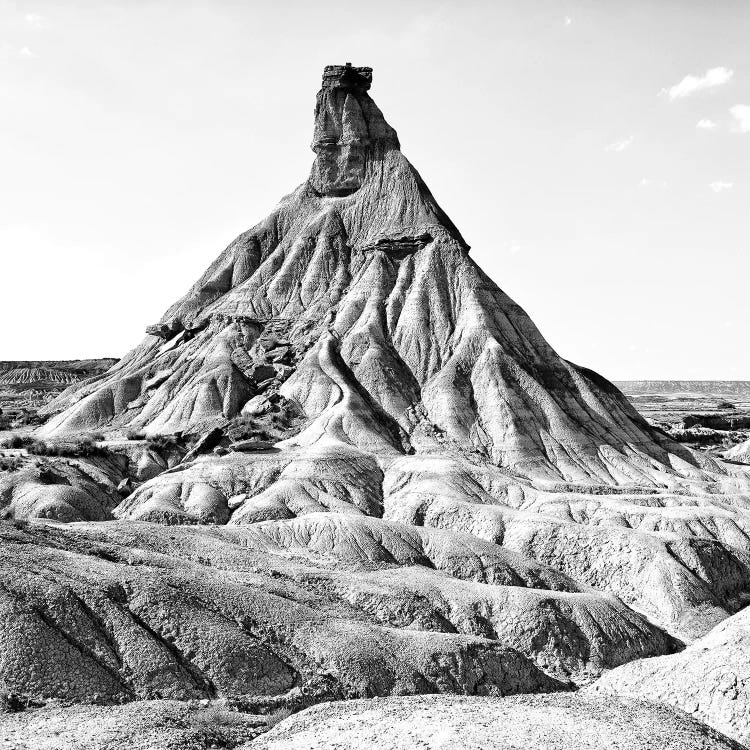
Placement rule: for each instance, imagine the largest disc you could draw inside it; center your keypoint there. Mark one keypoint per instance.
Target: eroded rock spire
(349, 130)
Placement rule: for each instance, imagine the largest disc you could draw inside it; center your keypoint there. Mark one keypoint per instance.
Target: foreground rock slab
(547, 722)
(710, 679)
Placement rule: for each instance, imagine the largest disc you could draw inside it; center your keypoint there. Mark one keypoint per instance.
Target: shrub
(277, 715)
(81, 448)
(163, 442)
(247, 428)
(216, 716)
(10, 463)
(215, 726)
(33, 419)
(17, 441)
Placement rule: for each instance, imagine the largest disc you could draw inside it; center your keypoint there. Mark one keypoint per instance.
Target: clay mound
(356, 300)
(680, 558)
(710, 679)
(548, 722)
(393, 484)
(334, 607)
(62, 489)
(740, 453)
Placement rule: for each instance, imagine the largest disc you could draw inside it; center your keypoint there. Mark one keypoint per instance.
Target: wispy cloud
(720, 186)
(691, 84)
(25, 52)
(647, 182)
(567, 20)
(514, 248)
(705, 124)
(620, 145)
(34, 19)
(741, 115)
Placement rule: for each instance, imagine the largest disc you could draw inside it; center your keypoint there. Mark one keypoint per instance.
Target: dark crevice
(200, 681)
(83, 649)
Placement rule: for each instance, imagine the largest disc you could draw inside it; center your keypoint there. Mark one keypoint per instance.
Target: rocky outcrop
(542, 722)
(283, 612)
(709, 680)
(357, 301)
(715, 387)
(717, 421)
(740, 453)
(62, 489)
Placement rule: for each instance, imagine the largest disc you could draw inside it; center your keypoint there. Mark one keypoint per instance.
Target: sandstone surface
(456, 723)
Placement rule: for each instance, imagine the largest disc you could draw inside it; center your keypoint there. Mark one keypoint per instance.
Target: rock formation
(709, 680)
(540, 722)
(387, 482)
(356, 301)
(330, 606)
(740, 453)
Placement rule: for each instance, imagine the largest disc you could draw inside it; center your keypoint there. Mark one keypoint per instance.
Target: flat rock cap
(347, 77)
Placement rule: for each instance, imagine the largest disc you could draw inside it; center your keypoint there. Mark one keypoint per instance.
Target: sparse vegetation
(16, 442)
(79, 448)
(10, 463)
(131, 434)
(218, 716)
(277, 715)
(31, 418)
(161, 443)
(219, 727)
(248, 428)
(12, 703)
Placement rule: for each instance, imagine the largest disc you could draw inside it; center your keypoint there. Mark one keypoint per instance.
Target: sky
(595, 155)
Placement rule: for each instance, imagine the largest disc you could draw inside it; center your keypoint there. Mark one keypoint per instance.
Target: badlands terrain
(346, 474)
(713, 416)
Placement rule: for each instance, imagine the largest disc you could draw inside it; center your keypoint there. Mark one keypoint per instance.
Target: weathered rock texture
(710, 679)
(740, 453)
(328, 606)
(27, 386)
(455, 723)
(418, 391)
(394, 484)
(356, 300)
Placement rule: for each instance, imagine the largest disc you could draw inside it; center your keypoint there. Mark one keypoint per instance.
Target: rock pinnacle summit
(349, 131)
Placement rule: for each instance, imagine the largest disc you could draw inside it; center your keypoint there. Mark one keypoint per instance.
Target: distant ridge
(712, 387)
(59, 364)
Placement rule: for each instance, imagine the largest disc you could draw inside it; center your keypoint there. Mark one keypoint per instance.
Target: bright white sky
(595, 155)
